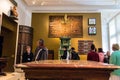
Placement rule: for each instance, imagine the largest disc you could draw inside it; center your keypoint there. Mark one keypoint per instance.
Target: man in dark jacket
(41, 52)
(64, 56)
(74, 54)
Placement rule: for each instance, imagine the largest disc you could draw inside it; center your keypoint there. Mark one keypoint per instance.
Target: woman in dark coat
(28, 55)
(64, 56)
(74, 54)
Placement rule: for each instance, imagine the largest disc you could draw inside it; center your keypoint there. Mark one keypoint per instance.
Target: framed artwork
(65, 26)
(92, 30)
(84, 46)
(92, 21)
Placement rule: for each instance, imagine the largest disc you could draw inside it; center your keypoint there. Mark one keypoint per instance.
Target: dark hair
(65, 47)
(41, 41)
(72, 48)
(100, 50)
(92, 47)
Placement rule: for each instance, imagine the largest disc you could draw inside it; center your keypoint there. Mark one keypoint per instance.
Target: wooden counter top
(67, 70)
(67, 64)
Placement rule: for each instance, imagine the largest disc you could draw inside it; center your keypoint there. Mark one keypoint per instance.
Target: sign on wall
(65, 26)
(84, 46)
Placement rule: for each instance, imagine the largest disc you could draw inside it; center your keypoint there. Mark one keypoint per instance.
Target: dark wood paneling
(24, 39)
(9, 32)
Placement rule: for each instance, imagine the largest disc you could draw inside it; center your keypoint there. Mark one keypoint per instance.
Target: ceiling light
(42, 3)
(33, 2)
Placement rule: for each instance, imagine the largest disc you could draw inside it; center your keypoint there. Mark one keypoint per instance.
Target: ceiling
(72, 5)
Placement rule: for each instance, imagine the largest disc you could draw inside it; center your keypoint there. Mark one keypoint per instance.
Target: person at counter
(92, 55)
(107, 57)
(115, 59)
(74, 54)
(41, 52)
(65, 53)
(101, 55)
(28, 55)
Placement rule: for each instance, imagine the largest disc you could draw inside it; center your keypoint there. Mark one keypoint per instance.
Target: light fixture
(42, 3)
(33, 2)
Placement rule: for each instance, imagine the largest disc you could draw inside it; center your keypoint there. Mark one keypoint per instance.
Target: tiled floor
(13, 76)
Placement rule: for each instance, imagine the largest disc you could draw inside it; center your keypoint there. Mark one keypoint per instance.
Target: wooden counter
(67, 70)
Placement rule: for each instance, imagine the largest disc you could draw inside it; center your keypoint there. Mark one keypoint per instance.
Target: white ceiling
(72, 5)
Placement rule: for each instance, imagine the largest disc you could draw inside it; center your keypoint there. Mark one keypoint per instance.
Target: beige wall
(40, 24)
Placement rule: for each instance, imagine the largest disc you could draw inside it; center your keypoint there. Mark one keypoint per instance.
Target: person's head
(100, 50)
(40, 42)
(28, 48)
(92, 47)
(72, 48)
(115, 47)
(65, 47)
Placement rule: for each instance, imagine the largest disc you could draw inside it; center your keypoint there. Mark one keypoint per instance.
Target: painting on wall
(65, 26)
(84, 46)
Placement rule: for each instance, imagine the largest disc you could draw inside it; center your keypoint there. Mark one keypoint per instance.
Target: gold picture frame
(61, 26)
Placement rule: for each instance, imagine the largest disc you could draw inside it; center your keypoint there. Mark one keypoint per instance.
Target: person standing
(28, 55)
(41, 52)
(74, 54)
(115, 59)
(107, 57)
(92, 55)
(101, 55)
(65, 53)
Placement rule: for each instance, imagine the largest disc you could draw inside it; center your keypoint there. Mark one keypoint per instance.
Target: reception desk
(67, 70)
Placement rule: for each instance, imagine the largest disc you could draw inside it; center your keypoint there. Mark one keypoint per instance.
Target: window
(114, 31)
